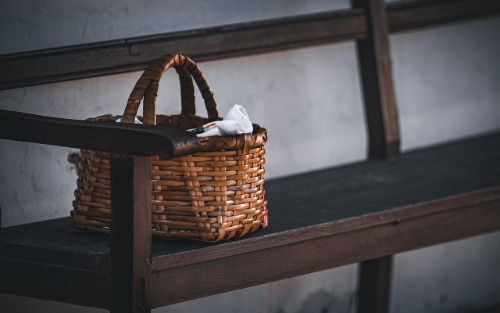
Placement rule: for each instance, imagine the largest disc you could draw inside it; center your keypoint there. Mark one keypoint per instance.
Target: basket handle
(147, 88)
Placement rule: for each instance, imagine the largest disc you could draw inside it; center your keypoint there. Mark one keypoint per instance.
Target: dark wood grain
(181, 283)
(354, 213)
(123, 138)
(118, 56)
(374, 285)
(376, 76)
(130, 234)
(54, 282)
(301, 257)
(410, 15)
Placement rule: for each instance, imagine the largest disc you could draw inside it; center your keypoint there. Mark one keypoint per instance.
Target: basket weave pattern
(215, 194)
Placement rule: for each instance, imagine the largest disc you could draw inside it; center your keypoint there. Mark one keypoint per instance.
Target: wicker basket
(214, 194)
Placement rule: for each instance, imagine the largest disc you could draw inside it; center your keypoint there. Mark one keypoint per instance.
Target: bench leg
(374, 285)
(130, 234)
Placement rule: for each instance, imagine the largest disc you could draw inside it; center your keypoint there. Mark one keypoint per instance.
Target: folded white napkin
(235, 122)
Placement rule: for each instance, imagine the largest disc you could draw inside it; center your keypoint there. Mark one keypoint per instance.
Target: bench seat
(318, 220)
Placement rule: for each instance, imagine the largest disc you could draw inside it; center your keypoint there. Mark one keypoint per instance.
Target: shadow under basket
(214, 194)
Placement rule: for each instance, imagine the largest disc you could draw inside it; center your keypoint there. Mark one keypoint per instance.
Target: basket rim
(257, 138)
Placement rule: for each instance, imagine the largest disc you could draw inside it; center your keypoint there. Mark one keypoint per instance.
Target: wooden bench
(363, 212)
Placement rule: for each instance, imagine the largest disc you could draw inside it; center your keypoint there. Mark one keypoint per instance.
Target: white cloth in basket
(235, 122)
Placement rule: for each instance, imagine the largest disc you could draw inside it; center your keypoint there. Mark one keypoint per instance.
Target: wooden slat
(264, 265)
(117, 56)
(412, 15)
(59, 64)
(101, 136)
(168, 256)
(130, 234)
(378, 87)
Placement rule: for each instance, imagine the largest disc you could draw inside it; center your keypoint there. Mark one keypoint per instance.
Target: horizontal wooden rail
(321, 253)
(122, 138)
(117, 56)
(411, 15)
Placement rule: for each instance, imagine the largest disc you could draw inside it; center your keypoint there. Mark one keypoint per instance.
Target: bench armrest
(130, 139)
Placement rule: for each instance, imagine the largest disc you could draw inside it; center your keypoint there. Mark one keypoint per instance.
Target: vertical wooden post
(374, 285)
(376, 75)
(130, 234)
(383, 134)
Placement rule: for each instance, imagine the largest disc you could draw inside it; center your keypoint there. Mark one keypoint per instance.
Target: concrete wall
(447, 87)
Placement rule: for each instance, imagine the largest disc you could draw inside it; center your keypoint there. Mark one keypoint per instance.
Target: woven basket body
(215, 194)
